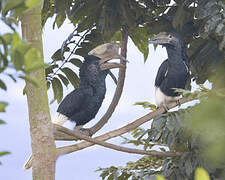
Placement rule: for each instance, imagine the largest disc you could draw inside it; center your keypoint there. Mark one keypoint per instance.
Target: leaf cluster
(197, 131)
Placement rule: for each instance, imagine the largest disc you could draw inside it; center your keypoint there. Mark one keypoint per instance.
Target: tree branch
(120, 131)
(71, 135)
(119, 88)
(120, 148)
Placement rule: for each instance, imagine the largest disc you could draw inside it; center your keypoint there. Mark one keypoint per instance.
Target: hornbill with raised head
(174, 71)
(82, 104)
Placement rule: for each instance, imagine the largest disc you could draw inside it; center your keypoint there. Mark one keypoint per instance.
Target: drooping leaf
(63, 79)
(73, 78)
(49, 69)
(2, 122)
(3, 105)
(76, 62)
(57, 89)
(60, 18)
(2, 85)
(140, 38)
(57, 55)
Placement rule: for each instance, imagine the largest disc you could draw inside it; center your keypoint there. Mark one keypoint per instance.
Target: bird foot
(178, 102)
(165, 107)
(85, 131)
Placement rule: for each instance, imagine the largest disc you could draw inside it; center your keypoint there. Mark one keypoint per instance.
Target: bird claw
(85, 131)
(178, 102)
(165, 107)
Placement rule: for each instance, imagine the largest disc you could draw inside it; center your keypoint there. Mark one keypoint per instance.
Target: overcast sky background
(15, 136)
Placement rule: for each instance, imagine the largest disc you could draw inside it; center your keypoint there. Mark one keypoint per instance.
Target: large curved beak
(107, 52)
(161, 38)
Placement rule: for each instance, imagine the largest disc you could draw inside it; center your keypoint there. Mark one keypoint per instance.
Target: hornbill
(174, 71)
(82, 104)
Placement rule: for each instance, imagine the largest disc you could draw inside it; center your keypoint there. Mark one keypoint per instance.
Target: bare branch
(125, 149)
(120, 131)
(119, 88)
(111, 134)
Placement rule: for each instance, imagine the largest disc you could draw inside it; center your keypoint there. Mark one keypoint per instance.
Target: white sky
(15, 137)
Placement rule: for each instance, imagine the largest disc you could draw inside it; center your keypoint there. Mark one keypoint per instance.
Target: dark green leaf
(49, 69)
(11, 4)
(2, 85)
(60, 19)
(73, 78)
(63, 79)
(57, 56)
(57, 89)
(76, 62)
(140, 38)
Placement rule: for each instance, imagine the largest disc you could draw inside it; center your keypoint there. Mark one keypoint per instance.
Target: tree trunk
(41, 128)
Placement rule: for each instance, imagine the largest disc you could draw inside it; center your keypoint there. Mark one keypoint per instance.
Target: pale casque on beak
(107, 52)
(161, 38)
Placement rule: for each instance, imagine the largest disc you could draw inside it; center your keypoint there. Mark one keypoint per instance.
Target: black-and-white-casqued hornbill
(174, 71)
(82, 104)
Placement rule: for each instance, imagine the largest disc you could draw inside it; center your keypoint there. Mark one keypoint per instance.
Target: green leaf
(2, 153)
(49, 69)
(60, 19)
(201, 174)
(57, 89)
(3, 106)
(73, 78)
(30, 79)
(158, 177)
(140, 38)
(57, 55)
(2, 122)
(32, 3)
(33, 60)
(19, 49)
(2, 85)
(63, 79)
(76, 62)
(11, 4)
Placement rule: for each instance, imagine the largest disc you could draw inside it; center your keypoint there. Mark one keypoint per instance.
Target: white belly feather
(161, 98)
(59, 119)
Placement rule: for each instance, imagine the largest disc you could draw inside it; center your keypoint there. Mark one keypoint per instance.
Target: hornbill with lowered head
(82, 104)
(174, 71)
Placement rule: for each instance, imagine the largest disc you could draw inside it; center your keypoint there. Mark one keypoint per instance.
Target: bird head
(105, 53)
(168, 39)
(96, 65)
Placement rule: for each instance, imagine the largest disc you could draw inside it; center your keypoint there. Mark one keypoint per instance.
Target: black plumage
(173, 72)
(82, 104)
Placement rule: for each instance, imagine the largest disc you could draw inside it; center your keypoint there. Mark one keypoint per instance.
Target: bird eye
(170, 36)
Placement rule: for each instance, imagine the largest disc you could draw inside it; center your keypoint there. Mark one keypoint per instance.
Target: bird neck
(177, 55)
